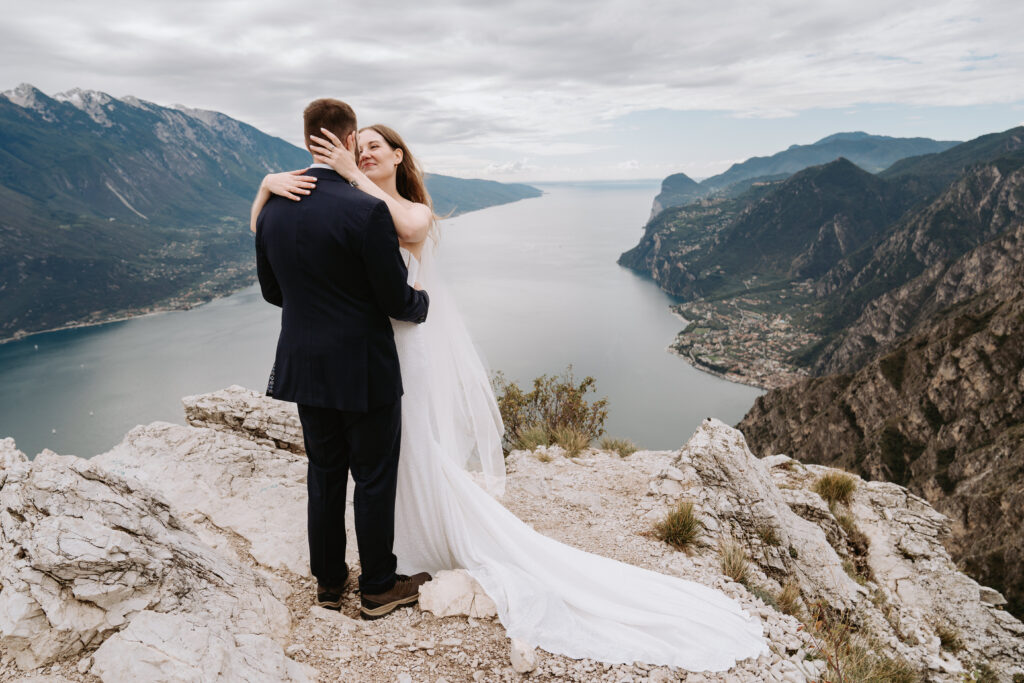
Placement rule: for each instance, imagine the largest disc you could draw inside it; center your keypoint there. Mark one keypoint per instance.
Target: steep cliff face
(917, 270)
(940, 413)
(676, 190)
(774, 233)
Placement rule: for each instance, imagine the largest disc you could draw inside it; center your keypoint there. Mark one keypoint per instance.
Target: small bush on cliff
(554, 403)
(835, 487)
(531, 438)
(680, 527)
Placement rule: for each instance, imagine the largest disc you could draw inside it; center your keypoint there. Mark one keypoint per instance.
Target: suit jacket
(331, 262)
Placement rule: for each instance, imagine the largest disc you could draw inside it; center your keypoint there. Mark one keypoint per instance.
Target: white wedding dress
(550, 595)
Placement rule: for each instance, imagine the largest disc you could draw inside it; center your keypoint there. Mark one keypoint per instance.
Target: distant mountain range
(115, 206)
(916, 299)
(873, 153)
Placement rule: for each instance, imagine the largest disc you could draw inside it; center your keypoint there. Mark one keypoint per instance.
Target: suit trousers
(367, 444)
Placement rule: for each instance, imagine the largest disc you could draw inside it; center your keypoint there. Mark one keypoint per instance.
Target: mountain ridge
(871, 152)
(118, 206)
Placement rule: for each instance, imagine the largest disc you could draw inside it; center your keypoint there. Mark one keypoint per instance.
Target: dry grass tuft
(949, 637)
(835, 487)
(624, 447)
(572, 440)
(850, 657)
(530, 439)
(789, 598)
(768, 535)
(680, 527)
(733, 561)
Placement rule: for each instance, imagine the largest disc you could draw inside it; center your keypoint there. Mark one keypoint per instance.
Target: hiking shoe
(406, 591)
(329, 597)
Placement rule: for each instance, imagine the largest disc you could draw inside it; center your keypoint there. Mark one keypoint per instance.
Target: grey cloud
(458, 71)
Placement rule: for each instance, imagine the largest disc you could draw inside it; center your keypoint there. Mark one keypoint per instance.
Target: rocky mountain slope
(113, 206)
(179, 555)
(872, 153)
(911, 331)
(939, 409)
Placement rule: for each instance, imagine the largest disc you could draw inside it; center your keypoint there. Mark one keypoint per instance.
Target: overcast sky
(554, 90)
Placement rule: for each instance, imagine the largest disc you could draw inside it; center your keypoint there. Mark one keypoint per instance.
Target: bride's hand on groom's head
(338, 155)
(291, 184)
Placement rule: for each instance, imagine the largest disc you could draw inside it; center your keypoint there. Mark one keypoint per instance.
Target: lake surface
(536, 282)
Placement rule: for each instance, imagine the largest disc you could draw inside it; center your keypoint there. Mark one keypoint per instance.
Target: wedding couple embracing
(390, 388)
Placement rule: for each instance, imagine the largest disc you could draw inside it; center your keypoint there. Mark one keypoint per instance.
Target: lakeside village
(742, 339)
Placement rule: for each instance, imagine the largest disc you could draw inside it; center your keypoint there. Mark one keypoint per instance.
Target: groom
(331, 262)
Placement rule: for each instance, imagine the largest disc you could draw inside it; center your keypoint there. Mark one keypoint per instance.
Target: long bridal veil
(548, 594)
(467, 421)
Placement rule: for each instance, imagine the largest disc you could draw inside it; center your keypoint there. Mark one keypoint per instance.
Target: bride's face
(376, 157)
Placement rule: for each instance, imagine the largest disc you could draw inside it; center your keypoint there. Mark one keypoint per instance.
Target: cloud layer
(476, 83)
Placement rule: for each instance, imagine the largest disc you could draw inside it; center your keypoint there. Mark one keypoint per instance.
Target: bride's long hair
(408, 175)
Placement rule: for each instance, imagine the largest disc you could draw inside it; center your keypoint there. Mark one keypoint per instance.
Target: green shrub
(554, 403)
(680, 527)
(624, 447)
(835, 487)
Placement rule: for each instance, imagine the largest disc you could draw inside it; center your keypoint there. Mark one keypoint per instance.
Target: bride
(547, 594)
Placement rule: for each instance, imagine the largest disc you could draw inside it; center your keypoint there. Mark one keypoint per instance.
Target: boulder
(241, 485)
(456, 592)
(83, 551)
(736, 498)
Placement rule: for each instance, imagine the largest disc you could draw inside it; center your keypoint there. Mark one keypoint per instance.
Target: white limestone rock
(456, 593)
(247, 413)
(256, 491)
(735, 495)
(83, 551)
(10, 457)
(523, 657)
(178, 647)
(914, 578)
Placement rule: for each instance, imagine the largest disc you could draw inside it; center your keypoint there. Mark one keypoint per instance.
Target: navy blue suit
(331, 262)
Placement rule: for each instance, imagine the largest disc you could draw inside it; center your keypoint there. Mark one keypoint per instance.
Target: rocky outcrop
(236, 484)
(242, 412)
(104, 576)
(84, 553)
(913, 580)
(880, 559)
(738, 501)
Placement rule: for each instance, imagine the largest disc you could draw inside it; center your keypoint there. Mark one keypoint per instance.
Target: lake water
(536, 282)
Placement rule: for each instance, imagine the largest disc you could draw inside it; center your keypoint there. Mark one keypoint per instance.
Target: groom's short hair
(334, 115)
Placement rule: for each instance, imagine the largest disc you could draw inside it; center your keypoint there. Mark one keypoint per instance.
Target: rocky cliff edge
(180, 555)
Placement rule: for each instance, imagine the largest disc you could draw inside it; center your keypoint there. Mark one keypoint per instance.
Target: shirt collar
(327, 166)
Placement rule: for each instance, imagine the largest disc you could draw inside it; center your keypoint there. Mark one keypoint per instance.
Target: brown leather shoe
(406, 591)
